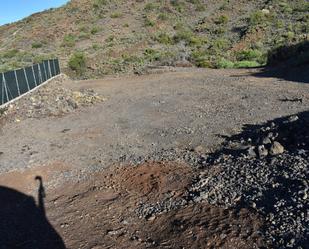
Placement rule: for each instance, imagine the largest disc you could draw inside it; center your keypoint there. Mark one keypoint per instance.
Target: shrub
(224, 63)
(152, 55)
(69, 40)
(83, 35)
(246, 64)
(99, 3)
(150, 6)
(223, 19)
(11, 53)
(178, 5)
(200, 59)
(164, 38)
(258, 18)
(77, 62)
(94, 30)
(197, 41)
(96, 46)
(163, 16)
(149, 22)
(42, 57)
(220, 44)
(36, 45)
(249, 55)
(183, 35)
(116, 15)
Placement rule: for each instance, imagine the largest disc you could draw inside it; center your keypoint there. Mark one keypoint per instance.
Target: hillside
(93, 38)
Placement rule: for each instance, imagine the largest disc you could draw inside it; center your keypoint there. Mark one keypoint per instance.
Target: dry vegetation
(98, 37)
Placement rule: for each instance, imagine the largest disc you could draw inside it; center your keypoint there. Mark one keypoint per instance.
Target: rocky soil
(165, 161)
(264, 168)
(52, 99)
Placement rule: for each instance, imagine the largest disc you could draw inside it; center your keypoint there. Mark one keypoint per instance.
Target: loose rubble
(264, 168)
(52, 99)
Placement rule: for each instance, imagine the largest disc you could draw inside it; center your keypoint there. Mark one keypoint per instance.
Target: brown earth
(101, 212)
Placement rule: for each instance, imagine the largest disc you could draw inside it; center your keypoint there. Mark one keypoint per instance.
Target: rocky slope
(120, 36)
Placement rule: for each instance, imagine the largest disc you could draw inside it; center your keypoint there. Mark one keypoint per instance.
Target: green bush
(223, 19)
(183, 35)
(258, 18)
(224, 63)
(164, 38)
(116, 15)
(10, 54)
(151, 54)
(163, 17)
(77, 62)
(150, 6)
(94, 30)
(99, 3)
(84, 36)
(69, 40)
(149, 22)
(220, 44)
(178, 5)
(199, 58)
(249, 55)
(36, 45)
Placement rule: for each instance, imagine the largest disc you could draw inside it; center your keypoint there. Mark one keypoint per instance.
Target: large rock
(276, 149)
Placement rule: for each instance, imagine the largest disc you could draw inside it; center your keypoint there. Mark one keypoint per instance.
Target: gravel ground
(246, 136)
(266, 168)
(51, 99)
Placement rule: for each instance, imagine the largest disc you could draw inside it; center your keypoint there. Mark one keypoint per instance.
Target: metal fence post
(44, 70)
(40, 74)
(34, 76)
(26, 77)
(49, 69)
(17, 84)
(5, 87)
(55, 71)
(2, 91)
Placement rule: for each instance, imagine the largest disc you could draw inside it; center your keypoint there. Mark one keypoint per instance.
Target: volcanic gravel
(275, 186)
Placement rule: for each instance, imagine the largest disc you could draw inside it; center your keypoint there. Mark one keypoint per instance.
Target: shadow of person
(23, 225)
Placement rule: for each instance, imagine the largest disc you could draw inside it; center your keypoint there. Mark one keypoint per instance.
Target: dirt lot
(105, 167)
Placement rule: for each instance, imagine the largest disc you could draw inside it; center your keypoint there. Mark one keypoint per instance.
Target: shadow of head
(23, 224)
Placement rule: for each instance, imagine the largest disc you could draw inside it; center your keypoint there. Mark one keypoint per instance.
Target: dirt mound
(155, 178)
(52, 99)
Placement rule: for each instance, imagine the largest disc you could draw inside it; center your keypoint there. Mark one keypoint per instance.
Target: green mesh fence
(18, 82)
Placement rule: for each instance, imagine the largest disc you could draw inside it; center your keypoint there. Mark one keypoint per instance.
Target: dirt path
(150, 118)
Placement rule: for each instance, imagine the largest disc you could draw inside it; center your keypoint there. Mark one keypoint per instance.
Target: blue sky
(14, 10)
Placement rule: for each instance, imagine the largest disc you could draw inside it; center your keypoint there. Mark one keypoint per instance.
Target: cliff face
(126, 36)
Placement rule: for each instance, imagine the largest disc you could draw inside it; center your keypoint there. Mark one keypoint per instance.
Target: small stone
(151, 218)
(293, 118)
(251, 152)
(263, 152)
(276, 149)
(199, 149)
(266, 140)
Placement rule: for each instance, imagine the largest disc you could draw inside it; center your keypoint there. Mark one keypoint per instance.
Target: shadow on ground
(290, 131)
(266, 165)
(289, 63)
(23, 225)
